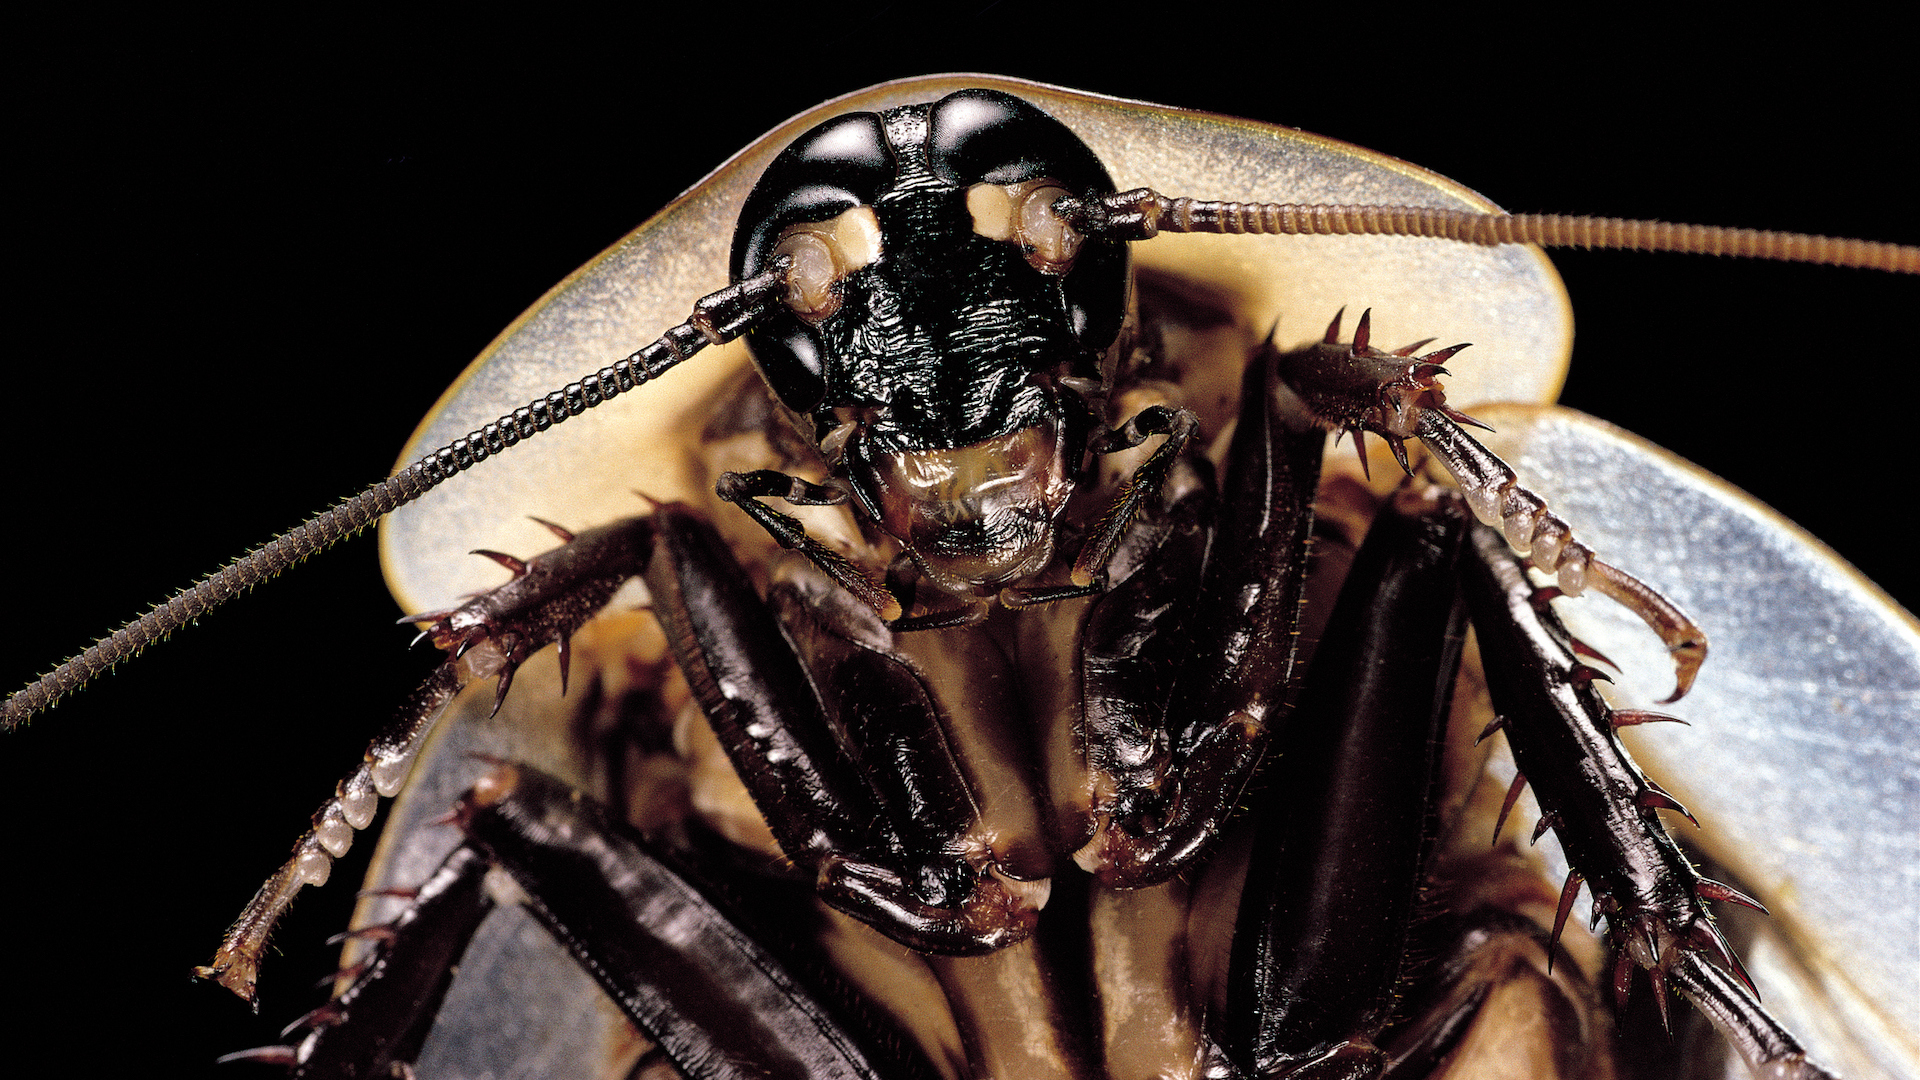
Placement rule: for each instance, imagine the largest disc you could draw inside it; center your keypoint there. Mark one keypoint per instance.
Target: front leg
(847, 760)
(1170, 773)
(550, 596)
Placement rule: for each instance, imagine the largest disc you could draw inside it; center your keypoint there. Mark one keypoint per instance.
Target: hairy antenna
(1143, 213)
(717, 318)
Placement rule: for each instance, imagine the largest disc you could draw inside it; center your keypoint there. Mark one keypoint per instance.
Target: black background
(247, 257)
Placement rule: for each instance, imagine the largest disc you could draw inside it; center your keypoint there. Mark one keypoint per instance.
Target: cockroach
(304, 652)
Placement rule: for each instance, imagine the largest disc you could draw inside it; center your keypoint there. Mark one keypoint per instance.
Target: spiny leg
(679, 965)
(549, 597)
(1355, 387)
(1498, 500)
(1603, 809)
(383, 1017)
(719, 1004)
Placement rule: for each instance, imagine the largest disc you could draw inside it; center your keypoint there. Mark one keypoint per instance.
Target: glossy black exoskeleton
(939, 351)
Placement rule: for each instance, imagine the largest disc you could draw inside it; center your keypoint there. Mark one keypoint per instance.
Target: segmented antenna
(717, 318)
(1143, 213)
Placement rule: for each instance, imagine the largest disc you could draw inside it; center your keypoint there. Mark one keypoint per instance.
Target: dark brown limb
(720, 1005)
(1602, 807)
(1230, 687)
(549, 597)
(850, 767)
(385, 1014)
(1343, 818)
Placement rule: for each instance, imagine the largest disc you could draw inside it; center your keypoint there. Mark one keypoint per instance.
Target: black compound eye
(839, 166)
(984, 136)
